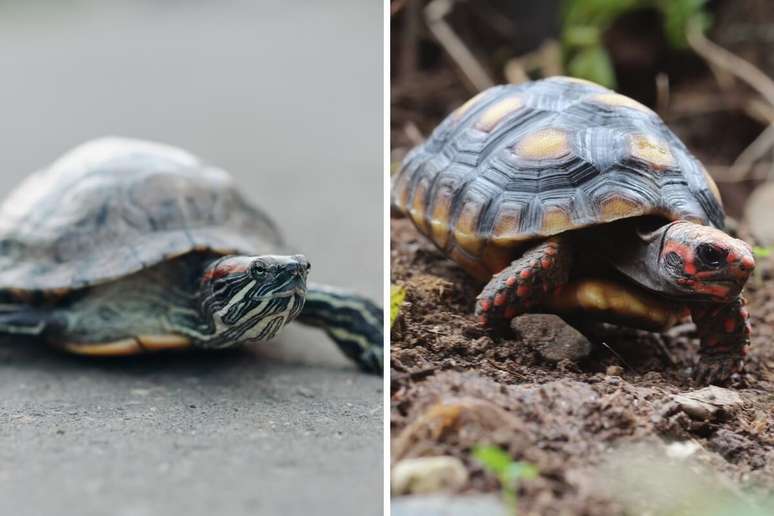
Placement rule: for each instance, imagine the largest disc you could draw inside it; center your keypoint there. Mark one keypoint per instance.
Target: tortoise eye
(673, 260)
(711, 255)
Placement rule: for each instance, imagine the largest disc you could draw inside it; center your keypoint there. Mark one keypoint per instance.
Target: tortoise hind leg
(526, 282)
(724, 331)
(353, 322)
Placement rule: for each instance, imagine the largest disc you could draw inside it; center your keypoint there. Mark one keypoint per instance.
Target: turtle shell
(523, 162)
(112, 207)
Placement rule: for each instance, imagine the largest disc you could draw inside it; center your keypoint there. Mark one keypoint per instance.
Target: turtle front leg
(724, 330)
(353, 322)
(526, 282)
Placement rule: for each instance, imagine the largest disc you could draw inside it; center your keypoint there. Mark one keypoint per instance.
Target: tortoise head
(704, 263)
(250, 298)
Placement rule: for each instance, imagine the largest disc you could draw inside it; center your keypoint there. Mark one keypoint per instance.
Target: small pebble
(709, 403)
(428, 475)
(614, 370)
(553, 338)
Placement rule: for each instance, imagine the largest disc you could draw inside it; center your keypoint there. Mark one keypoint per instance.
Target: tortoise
(124, 246)
(566, 197)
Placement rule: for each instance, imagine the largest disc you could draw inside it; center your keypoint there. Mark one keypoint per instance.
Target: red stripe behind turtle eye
(227, 267)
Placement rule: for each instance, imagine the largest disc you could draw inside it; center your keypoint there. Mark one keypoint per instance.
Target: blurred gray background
(287, 96)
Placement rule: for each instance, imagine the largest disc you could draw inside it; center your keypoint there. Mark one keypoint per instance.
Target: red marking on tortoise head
(714, 290)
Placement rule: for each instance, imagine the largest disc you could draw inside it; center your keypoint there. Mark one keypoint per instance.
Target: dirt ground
(455, 386)
(606, 432)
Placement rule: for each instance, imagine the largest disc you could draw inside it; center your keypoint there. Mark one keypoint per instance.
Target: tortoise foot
(717, 369)
(525, 283)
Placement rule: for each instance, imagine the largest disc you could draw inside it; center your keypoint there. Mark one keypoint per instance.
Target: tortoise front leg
(353, 322)
(526, 282)
(724, 330)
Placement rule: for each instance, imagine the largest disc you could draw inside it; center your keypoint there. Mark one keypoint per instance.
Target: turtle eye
(711, 255)
(259, 269)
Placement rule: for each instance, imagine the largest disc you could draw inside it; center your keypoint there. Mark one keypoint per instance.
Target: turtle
(562, 196)
(124, 246)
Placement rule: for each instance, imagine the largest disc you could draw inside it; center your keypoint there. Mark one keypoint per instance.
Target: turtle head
(250, 298)
(703, 263)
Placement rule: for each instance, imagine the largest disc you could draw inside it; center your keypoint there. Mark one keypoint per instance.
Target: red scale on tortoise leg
(724, 331)
(524, 283)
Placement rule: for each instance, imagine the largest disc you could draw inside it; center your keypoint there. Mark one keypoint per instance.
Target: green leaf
(593, 64)
(397, 297)
(492, 458)
(520, 471)
(582, 36)
(678, 15)
(762, 252)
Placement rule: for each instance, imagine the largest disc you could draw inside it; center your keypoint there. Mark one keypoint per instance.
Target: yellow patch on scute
(460, 111)
(496, 112)
(544, 144)
(497, 258)
(466, 228)
(117, 348)
(653, 151)
(402, 191)
(163, 342)
(555, 220)
(471, 264)
(616, 99)
(506, 228)
(619, 207)
(418, 207)
(439, 219)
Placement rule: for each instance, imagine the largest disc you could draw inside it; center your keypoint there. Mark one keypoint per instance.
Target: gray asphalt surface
(288, 97)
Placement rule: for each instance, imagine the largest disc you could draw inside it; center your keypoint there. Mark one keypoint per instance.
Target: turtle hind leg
(353, 322)
(525, 283)
(724, 332)
(21, 320)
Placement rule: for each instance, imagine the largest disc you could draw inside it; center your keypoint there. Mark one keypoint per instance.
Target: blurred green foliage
(584, 23)
(397, 297)
(507, 471)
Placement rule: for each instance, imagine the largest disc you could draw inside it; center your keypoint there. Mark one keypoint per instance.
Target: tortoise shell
(523, 162)
(112, 207)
